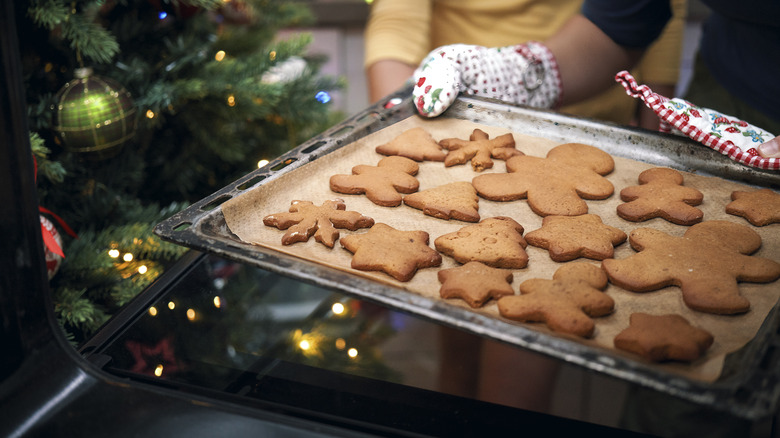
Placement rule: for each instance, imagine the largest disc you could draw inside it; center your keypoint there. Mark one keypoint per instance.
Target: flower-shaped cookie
(306, 219)
(570, 237)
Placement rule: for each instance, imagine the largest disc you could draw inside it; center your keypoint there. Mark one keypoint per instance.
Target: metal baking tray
(749, 385)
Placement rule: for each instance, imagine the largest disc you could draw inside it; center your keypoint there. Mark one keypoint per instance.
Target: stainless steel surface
(750, 383)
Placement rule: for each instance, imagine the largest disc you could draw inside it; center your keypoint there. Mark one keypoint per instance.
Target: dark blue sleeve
(633, 24)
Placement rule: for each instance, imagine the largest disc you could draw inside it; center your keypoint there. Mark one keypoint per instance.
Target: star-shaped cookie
(555, 185)
(415, 143)
(479, 149)
(383, 183)
(759, 207)
(496, 241)
(306, 219)
(397, 253)
(570, 237)
(566, 303)
(706, 263)
(475, 283)
(456, 200)
(661, 194)
(663, 337)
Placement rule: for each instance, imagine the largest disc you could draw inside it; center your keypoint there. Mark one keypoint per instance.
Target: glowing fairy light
(219, 56)
(162, 15)
(352, 352)
(127, 257)
(191, 314)
(231, 100)
(217, 302)
(304, 344)
(171, 305)
(341, 343)
(153, 311)
(272, 55)
(113, 253)
(322, 97)
(149, 114)
(337, 308)
(158, 370)
(262, 163)
(142, 269)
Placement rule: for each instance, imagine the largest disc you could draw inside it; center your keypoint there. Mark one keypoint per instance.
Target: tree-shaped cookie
(383, 183)
(415, 143)
(397, 253)
(555, 185)
(496, 241)
(706, 263)
(570, 237)
(456, 200)
(759, 207)
(661, 194)
(479, 149)
(475, 283)
(305, 219)
(566, 303)
(663, 337)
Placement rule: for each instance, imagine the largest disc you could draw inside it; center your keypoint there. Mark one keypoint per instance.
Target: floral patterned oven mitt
(730, 136)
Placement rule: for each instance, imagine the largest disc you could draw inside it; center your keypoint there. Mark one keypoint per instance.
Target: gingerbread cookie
(706, 263)
(555, 185)
(566, 303)
(415, 143)
(663, 337)
(383, 183)
(661, 194)
(570, 237)
(496, 242)
(457, 200)
(397, 253)
(759, 207)
(479, 149)
(475, 283)
(306, 219)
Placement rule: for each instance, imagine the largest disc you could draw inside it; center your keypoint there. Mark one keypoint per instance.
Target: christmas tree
(138, 108)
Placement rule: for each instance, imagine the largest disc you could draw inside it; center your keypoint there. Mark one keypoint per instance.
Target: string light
(191, 314)
(158, 370)
(337, 308)
(217, 302)
(113, 253)
(142, 269)
(162, 15)
(231, 100)
(341, 343)
(149, 114)
(262, 163)
(220, 55)
(304, 344)
(322, 97)
(272, 55)
(153, 311)
(171, 305)
(352, 352)
(127, 257)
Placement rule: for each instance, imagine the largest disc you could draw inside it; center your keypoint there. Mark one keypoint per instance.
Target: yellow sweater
(406, 30)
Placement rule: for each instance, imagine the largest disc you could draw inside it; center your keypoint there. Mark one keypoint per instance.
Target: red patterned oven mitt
(730, 136)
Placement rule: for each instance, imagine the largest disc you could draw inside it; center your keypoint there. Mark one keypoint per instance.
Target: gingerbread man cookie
(661, 194)
(570, 237)
(663, 337)
(306, 219)
(566, 303)
(415, 143)
(479, 149)
(706, 263)
(496, 241)
(556, 185)
(457, 200)
(475, 283)
(397, 253)
(759, 207)
(383, 183)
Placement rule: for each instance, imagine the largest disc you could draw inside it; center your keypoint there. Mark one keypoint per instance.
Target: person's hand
(770, 149)
(524, 74)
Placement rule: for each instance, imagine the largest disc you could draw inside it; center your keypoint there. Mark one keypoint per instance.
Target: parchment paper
(244, 214)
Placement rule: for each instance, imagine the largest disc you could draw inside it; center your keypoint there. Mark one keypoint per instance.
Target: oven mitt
(523, 74)
(730, 136)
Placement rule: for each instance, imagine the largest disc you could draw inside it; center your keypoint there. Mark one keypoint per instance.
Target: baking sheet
(304, 176)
